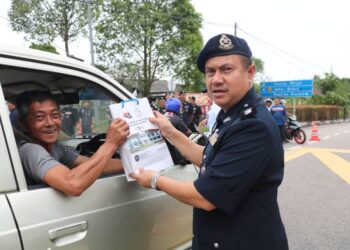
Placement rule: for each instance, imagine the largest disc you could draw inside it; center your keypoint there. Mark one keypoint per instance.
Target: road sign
(295, 88)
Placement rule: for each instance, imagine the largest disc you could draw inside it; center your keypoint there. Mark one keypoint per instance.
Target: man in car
(45, 160)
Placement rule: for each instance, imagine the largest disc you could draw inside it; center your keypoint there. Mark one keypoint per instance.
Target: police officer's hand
(117, 132)
(163, 123)
(144, 177)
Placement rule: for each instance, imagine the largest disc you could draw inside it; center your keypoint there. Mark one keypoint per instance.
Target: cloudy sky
(295, 39)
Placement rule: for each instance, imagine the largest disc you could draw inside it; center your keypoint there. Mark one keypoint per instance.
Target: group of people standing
(187, 112)
(72, 117)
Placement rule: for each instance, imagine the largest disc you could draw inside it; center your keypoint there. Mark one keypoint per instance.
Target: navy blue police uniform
(242, 167)
(240, 176)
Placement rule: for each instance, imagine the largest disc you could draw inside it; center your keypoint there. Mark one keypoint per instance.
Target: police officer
(197, 111)
(235, 194)
(186, 109)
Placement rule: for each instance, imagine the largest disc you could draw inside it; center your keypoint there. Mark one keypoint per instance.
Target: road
(314, 197)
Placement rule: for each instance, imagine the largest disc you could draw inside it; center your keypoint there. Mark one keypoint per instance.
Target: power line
(283, 51)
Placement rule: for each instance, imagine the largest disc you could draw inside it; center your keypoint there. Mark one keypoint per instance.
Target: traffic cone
(314, 132)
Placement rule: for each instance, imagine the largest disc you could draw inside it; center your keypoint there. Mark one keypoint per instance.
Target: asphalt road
(314, 197)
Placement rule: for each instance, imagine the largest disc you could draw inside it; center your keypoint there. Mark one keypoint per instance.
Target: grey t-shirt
(37, 160)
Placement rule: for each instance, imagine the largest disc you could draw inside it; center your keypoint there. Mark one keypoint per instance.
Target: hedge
(322, 113)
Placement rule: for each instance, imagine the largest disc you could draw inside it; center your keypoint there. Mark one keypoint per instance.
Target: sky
(295, 39)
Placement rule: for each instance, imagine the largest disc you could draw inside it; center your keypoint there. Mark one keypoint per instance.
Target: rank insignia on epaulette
(247, 111)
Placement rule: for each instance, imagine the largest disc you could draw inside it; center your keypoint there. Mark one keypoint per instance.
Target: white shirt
(212, 114)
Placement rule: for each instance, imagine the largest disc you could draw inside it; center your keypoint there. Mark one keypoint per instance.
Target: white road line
(293, 148)
(326, 137)
(345, 131)
(311, 142)
(336, 134)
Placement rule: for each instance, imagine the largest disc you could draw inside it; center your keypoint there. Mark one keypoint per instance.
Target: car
(112, 213)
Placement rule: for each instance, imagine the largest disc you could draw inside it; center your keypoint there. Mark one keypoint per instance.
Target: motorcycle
(293, 130)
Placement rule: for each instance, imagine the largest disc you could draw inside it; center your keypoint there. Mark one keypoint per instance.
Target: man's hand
(117, 132)
(144, 177)
(163, 123)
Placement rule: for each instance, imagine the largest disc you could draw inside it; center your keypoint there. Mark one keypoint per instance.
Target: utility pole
(90, 34)
(235, 29)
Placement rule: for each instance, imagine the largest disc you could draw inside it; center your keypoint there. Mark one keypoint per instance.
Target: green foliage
(45, 20)
(147, 40)
(45, 47)
(259, 65)
(327, 84)
(333, 90)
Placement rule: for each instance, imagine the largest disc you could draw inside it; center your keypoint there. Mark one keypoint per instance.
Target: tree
(146, 40)
(44, 47)
(45, 20)
(327, 84)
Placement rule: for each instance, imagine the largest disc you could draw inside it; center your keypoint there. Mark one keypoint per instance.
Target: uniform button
(216, 245)
(205, 156)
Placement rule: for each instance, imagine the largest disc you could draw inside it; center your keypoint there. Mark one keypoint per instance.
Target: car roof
(9, 54)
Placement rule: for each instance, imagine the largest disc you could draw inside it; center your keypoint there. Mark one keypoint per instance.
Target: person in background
(70, 119)
(279, 113)
(173, 106)
(161, 108)
(87, 119)
(13, 114)
(197, 111)
(186, 109)
(235, 195)
(46, 160)
(268, 103)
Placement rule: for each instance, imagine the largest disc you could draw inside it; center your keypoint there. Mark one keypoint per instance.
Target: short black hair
(25, 99)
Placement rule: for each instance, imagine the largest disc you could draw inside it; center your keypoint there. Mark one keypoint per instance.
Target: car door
(9, 235)
(112, 213)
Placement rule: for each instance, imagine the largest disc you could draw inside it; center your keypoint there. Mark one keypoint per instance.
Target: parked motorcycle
(293, 130)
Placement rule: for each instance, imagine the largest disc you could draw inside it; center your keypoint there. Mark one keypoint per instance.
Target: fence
(322, 113)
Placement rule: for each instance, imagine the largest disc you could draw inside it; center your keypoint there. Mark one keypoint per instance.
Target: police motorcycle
(293, 130)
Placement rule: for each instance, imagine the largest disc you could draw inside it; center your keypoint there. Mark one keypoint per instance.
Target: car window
(83, 103)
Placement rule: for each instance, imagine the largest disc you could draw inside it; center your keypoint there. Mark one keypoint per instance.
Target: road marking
(294, 148)
(328, 157)
(326, 137)
(345, 131)
(336, 134)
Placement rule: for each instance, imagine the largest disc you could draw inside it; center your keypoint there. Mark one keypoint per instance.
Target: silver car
(112, 213)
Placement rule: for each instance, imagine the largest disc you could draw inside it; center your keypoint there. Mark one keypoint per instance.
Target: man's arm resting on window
(75, 181)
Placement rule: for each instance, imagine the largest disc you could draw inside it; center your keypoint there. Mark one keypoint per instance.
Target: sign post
(287, 89)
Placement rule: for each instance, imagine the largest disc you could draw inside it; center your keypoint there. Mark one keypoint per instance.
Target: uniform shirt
(86, 115)
(69, 120)
(240, 175)
(36, 160)
(279, 113)
(187, 112)
(197, 112)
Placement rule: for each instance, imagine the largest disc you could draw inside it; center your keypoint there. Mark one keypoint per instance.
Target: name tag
(213, 138)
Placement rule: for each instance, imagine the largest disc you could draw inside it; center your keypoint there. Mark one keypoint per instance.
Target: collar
(233, 112)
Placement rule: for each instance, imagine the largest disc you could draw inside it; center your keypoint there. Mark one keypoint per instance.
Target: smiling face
(43, 122)
(228, 79)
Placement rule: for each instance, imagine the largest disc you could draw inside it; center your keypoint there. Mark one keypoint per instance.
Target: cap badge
(225, 43)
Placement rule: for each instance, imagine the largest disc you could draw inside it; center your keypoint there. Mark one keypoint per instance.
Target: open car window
(83, 103)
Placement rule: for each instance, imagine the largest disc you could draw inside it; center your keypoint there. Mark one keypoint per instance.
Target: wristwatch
(154, 182)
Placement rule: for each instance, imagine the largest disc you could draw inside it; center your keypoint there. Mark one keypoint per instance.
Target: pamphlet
(145, 146)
